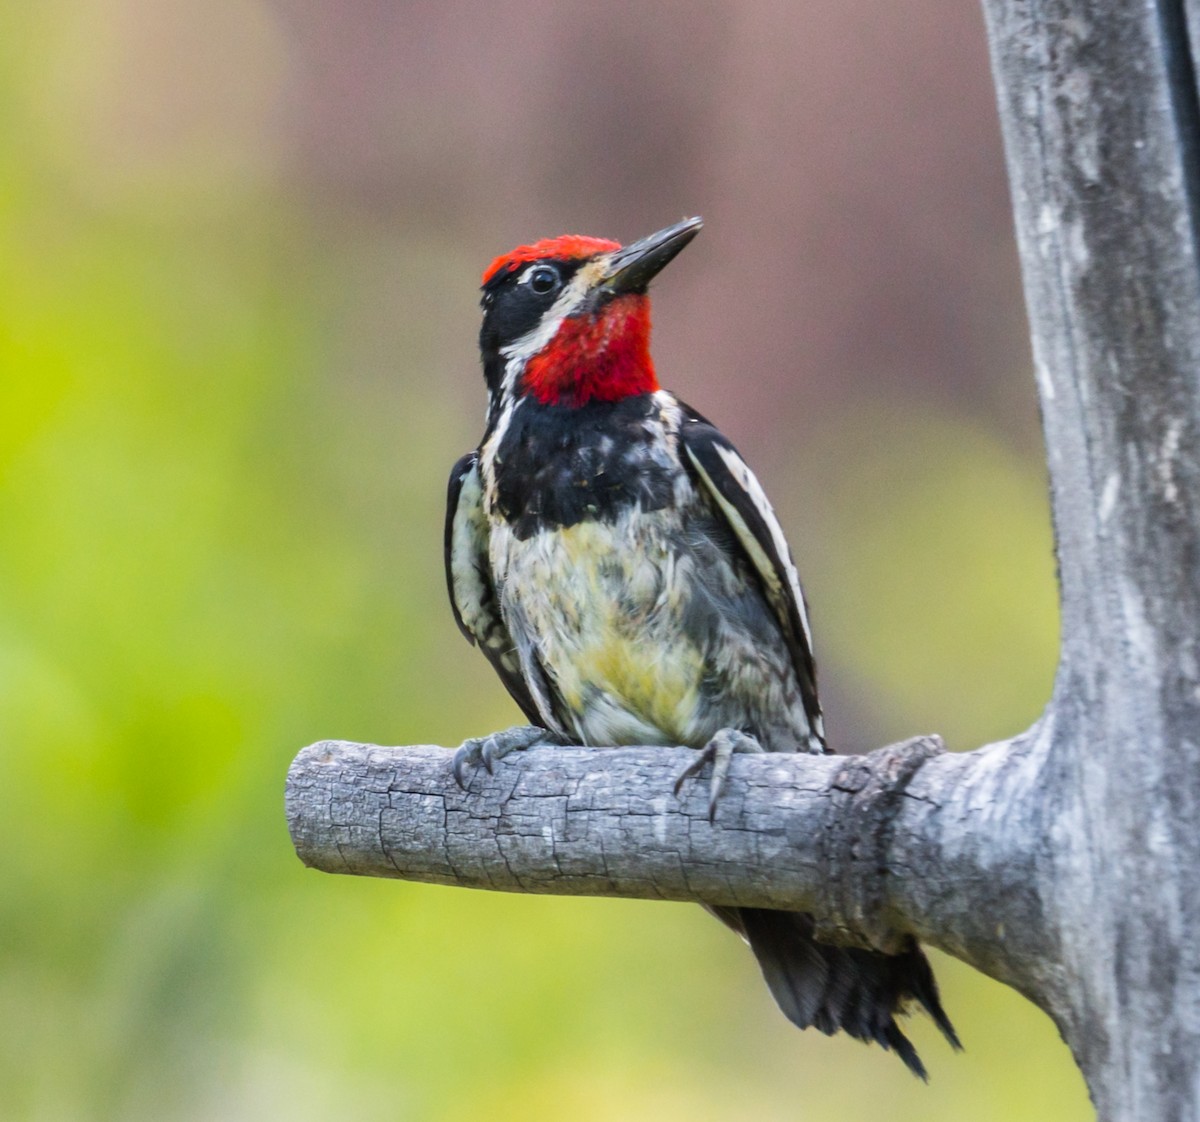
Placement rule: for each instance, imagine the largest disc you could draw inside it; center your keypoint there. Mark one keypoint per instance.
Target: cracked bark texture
(1066, 861)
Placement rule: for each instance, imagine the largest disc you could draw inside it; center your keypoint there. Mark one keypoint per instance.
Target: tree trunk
(1099, 109)
(1065, 862)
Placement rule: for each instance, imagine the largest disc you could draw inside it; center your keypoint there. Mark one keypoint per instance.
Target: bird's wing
(469, 579)
(740, 499)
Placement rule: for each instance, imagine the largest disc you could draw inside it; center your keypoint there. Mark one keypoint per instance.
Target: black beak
(633, 267)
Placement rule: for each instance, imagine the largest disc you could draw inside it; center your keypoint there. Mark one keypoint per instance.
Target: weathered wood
(1066, 861)
(823, 834)
(1098, 103)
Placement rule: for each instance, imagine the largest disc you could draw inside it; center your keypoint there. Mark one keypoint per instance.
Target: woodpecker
(621, 568)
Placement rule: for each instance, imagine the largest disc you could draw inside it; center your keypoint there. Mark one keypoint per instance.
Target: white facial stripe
(512, 371)
(487, 454)
(517, 354)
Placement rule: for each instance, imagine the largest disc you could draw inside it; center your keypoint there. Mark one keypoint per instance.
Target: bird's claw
(719, 752)
(485, 751)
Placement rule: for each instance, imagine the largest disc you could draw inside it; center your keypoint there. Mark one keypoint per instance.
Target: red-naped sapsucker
(621, 568)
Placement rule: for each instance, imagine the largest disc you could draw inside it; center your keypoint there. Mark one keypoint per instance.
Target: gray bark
(821, 834)
(1099, 109)
(1065, 862)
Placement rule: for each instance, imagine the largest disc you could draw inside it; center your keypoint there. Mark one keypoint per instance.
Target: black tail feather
(840, 989)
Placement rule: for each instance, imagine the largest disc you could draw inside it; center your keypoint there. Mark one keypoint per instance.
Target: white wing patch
(746, 480)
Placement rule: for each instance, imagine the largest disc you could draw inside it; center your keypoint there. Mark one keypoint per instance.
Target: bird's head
(567, 320)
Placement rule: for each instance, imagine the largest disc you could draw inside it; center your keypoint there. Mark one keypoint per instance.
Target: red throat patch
(605, 357)
(568, 247)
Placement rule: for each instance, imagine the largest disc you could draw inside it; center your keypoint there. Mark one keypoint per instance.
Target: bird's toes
(487, 751)
(467, 755)
(720, 751)
(703, 758)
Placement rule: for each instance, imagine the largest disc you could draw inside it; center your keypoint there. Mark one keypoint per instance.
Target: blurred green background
(239, 248)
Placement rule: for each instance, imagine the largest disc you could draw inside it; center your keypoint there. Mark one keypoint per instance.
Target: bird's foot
(484, 751)
(719, 752)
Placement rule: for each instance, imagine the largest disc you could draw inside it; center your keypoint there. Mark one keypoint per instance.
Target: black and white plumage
(621, 568)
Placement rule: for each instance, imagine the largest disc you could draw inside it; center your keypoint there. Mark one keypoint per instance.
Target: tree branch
(874, 845)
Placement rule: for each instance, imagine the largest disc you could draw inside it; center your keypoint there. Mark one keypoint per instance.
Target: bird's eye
(543, 279)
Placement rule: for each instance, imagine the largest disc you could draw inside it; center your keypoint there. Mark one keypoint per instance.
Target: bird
(619, 565)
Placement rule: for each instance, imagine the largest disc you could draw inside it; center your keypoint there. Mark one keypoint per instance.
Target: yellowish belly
(606, 624)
